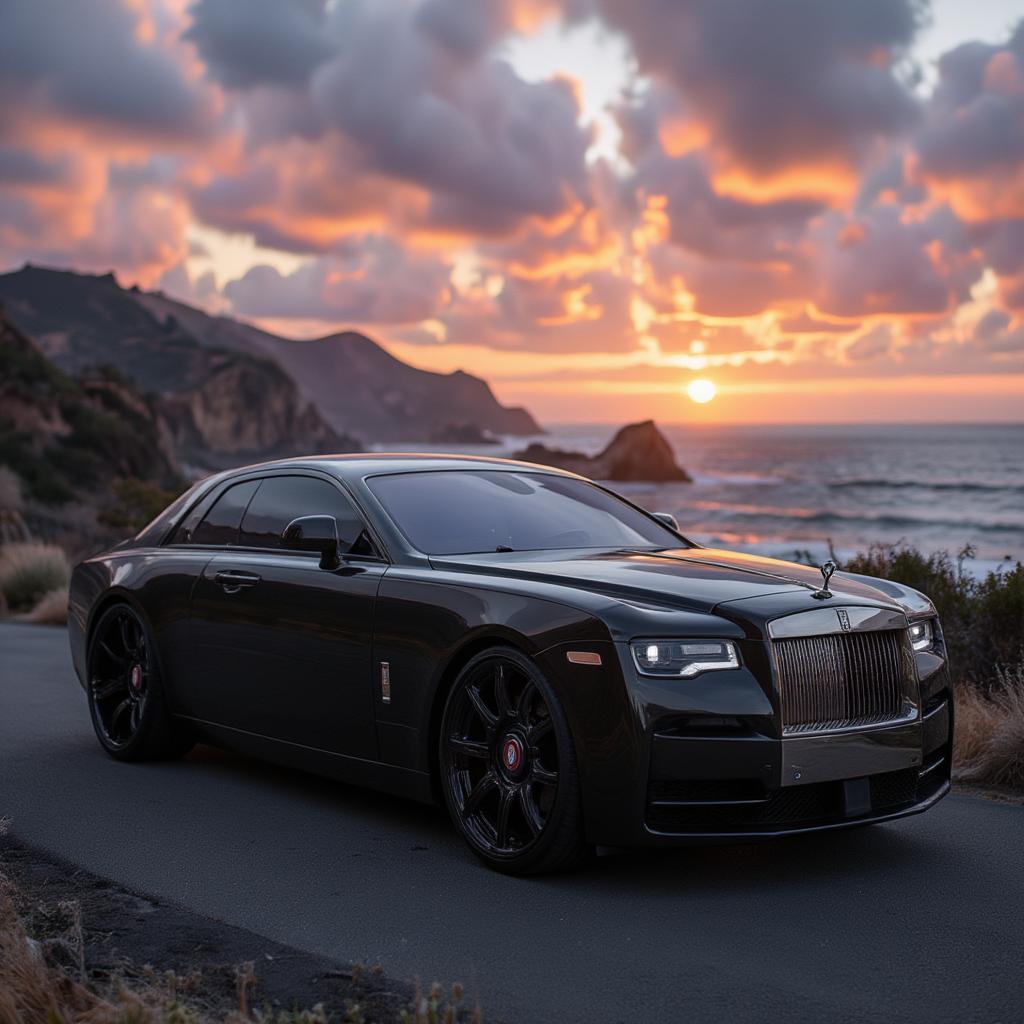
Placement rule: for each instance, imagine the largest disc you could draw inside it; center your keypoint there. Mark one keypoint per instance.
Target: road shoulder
(104, 935)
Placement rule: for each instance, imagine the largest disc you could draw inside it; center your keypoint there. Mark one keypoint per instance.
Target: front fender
(422, 629)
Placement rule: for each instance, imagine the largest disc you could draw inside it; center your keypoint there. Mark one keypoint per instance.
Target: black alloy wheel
(508, 767)
(126, 700)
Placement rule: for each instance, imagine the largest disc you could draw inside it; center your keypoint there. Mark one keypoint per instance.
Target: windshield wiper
(504, 547)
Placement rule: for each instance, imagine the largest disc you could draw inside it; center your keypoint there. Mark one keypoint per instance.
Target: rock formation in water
(638, 452)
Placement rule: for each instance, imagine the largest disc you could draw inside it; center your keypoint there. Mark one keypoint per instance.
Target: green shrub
(983, 626)
(982, 617)
(135, 503)
(29, 571)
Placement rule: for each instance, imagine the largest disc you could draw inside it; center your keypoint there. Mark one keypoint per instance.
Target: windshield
(449, 512)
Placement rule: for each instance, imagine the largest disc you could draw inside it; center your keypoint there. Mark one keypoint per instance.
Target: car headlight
(683, 658)
(922, 635)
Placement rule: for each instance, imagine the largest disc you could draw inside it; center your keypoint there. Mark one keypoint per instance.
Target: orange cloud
(780, 208)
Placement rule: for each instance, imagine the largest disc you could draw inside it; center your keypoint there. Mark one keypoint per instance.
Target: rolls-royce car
(562, 669)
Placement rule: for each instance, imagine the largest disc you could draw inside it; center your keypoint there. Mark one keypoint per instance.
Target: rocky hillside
(638, 451)
(350, 384)
(67, 437)
(220, 405)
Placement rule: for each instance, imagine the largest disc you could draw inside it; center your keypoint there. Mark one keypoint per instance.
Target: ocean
(786, 491)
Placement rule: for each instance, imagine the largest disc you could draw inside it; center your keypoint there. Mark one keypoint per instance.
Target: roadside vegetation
(34, 575)
(34, 581)
(983, 629)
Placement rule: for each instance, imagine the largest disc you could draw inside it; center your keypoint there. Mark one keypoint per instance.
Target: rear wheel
(508, 767)
(126, 698)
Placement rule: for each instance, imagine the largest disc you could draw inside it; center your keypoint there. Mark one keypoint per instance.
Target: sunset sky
(817, 205)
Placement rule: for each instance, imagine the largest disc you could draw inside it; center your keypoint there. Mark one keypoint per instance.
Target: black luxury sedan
(561, 668)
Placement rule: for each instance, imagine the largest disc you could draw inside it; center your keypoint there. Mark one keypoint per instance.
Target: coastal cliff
(220, 406)
(65, 436)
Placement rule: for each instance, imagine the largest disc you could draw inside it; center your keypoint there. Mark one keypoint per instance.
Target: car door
(283, 644)
(209, 525)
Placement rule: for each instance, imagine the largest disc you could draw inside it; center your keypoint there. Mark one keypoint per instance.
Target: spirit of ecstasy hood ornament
(826, 574)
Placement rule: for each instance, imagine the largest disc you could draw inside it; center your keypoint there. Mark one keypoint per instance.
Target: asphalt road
(919, 920)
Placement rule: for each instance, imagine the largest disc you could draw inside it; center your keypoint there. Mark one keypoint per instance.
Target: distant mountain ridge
(351, 385)
(357, 385)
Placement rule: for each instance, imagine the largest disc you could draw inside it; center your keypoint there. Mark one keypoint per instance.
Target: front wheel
(508, 767)
(126, 699)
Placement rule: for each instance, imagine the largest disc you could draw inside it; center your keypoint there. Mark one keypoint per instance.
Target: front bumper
(736, 792)
(821, 811)
(663, 764)
(748, 784)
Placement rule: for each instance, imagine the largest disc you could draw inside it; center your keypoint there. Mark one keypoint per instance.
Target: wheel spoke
(531, 813)
(501, 698)
(486, 715)
(470, 748)
(542, 775)
(116, 716)
(504, 807)
(126, 642)
(103, 689)
(525, 701)
(476, 795)
(538, 731)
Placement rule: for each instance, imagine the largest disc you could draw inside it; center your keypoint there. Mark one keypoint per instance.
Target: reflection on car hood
(699, 578)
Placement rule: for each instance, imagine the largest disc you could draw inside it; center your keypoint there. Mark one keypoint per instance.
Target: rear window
(465, 511)
(156, 530)
(220, 524)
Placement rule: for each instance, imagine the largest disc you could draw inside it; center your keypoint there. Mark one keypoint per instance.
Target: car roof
(362, 464)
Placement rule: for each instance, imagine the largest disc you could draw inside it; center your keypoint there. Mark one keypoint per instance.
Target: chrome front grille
(845, 680)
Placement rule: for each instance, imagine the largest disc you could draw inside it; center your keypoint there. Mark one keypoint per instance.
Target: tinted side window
(281, 499)
(220, 524)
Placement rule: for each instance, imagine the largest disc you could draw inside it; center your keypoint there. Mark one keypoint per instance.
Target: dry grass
(51, 609)
(30, 570)
(989, 741)
(977, 718)
(31, 989)
(10, 491)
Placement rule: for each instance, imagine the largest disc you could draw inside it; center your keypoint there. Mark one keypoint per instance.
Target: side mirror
(314, 533)
(668, 519)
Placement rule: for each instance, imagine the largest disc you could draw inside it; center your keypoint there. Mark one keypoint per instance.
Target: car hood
(696, 578)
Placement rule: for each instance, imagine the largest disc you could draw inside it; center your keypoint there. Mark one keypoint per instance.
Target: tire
(125, 692)
(508, 766)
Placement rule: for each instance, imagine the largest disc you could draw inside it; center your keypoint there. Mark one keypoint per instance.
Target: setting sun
(701, 391)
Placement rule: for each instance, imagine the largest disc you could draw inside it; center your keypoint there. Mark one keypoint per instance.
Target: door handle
(232, 581)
